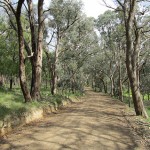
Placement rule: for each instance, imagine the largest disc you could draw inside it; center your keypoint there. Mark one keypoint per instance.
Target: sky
(92, 8)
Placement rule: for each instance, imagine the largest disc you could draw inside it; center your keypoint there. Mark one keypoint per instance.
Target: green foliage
(64, 12)
(11, 102)
(8, 50)
(128, 99)
(148, 112)
(106, 20)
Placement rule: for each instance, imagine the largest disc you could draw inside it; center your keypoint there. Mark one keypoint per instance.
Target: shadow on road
(95, 124)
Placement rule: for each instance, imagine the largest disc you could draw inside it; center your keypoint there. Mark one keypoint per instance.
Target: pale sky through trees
(92, 8)
(96, 7)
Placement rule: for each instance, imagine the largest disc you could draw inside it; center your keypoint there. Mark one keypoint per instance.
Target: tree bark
(53, 84)
(104, 85)
(120, 84)
(112, 85)
(54, 68)
(38, 55)
(33, 44)
(1, 80)
(131, 59)
(22, 75)
(11, 83)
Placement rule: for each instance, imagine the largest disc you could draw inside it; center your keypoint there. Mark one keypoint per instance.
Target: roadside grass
(12, 102)
(148, 112)
(129, 102)
(146, 97)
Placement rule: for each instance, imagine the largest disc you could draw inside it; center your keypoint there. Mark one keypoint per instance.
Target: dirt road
(97, 123)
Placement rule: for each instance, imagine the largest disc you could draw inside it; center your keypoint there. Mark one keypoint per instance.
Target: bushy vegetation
(11, 102)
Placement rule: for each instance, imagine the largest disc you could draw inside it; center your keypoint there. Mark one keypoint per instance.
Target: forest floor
(97, 123)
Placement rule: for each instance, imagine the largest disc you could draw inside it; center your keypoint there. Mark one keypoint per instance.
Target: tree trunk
(46, 81)
(129, 94)
(93, 83)
(100, 87)
(51, 72)
(120, 91)
(54, 71)
(104, 85)
(1, 80)
(137, 100)
(120, 84)
(112, 86)
(133, 78)
(22, 75)
(53, 85)
(38, 55)
(33, 45)
(131, 59)
(11, 83)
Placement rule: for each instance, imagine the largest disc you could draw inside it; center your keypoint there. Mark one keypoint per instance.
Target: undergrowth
(129, 102)
(12, 102)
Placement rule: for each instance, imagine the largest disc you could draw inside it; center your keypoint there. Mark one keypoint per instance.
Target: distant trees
(8, 53)
(71, 37)
(78, 45)
(108, 25)
(62, 16)
(123, 38)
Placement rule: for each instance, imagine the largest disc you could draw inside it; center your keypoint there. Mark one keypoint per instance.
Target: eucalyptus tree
(2, 47)
(62, 16)
(112, 43)
(145, 70)
(134, 29)
(144, 61)
(37, 46)
(95, 70)
(8, 51)
(79, 43)
(34, 52)
(105, 25)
